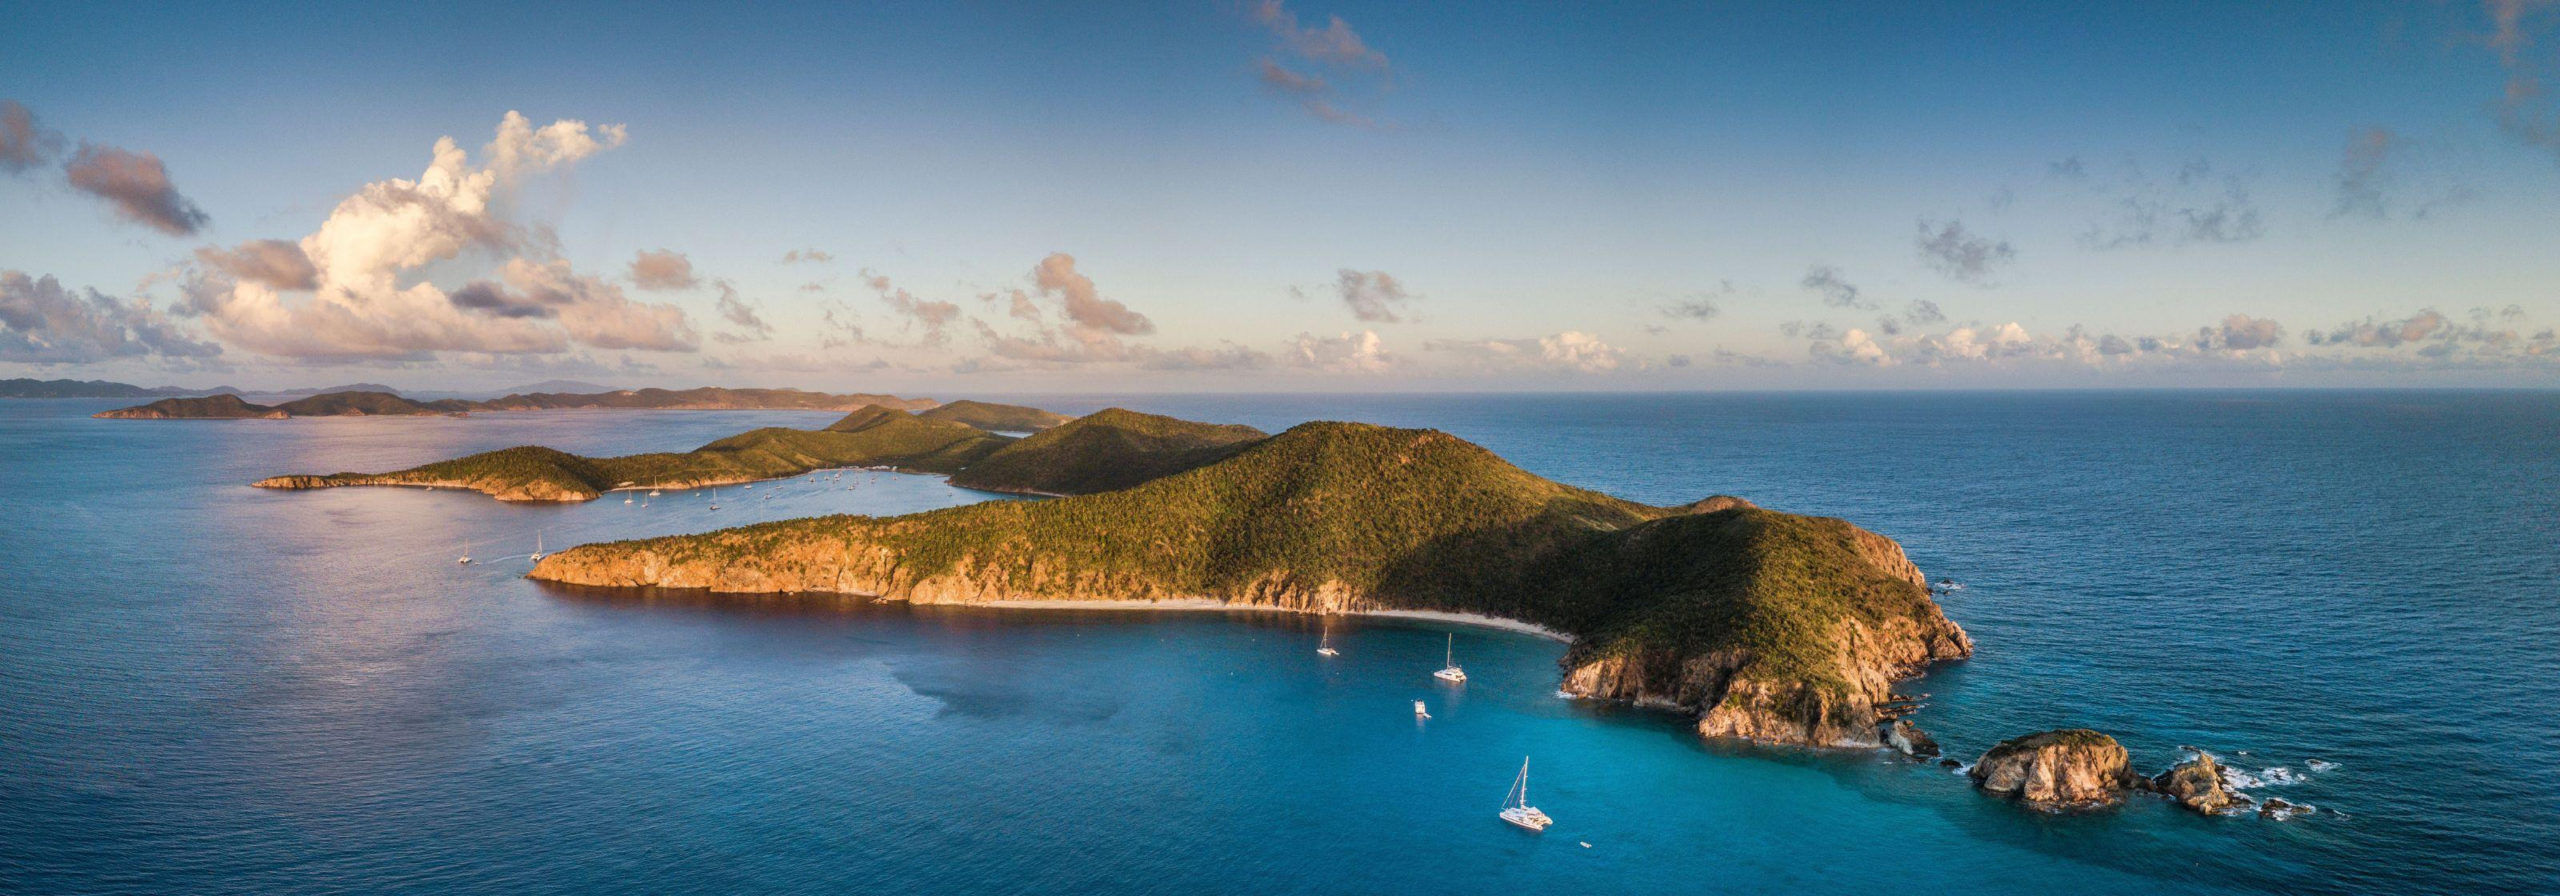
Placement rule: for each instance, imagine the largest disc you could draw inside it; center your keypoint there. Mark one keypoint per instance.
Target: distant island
(1761, 625)
(379, 401)
(31, 388)
(875, 436)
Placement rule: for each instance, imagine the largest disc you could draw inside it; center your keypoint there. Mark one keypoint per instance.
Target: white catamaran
(1516, 808)
(1324, 644)
(537, 544)
(1452, 674)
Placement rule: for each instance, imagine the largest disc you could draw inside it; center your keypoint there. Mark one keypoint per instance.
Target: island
(381, 401)
(1758, 625)
(996, 417)
(31, 388)
(875, 436)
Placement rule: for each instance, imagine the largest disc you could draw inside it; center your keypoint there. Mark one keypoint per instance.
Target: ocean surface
(209, 688)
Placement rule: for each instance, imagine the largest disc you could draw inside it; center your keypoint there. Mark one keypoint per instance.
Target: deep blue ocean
(209, 688)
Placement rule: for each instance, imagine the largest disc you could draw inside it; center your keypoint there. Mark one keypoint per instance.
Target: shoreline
(1202, 604)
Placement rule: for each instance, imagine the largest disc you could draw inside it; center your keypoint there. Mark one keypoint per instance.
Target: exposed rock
(2071, 768)
(2195, 784)
(1903, 736)
(2279, 810)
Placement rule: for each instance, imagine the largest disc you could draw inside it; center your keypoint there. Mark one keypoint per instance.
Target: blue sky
(1865, 195)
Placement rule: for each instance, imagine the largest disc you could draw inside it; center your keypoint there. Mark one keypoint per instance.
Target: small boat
(1324, 647)
(465, 559)
(1516, 808)
(537, 545)
(626, 499)
(1419, 712)
(715, 499)
(653, 493)
(1452, 674)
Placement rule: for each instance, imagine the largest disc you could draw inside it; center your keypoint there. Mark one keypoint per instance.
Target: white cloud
(370, 295)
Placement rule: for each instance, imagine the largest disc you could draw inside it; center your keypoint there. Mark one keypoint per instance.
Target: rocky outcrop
(1909, 740)
(2071, 768)
(2195, 784)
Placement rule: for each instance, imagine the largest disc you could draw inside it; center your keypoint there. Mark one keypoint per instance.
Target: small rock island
(1760, 625)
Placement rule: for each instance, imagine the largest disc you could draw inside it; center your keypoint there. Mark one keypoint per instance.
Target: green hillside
(996, 417)
(1104, 451)
(1769, 625)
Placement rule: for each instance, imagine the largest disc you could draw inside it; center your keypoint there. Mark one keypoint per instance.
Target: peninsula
(1101, 451)
(1760, 625)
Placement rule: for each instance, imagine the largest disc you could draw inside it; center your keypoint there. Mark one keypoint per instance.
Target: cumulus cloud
(663, 270)
(1085, 307)
(1360, 352)
(43, 323)
(24, 144)
(1960, 254)
(275, 264)
(934, 318)
(2241, 332)
(1372, 295)
(1570, 351)
(796, 256)
(368, 295)
(2198, 205)
(137, 186)
(1836, 291)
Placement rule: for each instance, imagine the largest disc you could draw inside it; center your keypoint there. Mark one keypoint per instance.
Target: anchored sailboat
(715, 497)
(1452, 674)
(1516, 808)
(1324, 644)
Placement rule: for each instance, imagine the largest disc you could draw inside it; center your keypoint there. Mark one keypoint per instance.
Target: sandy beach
(1195, 605)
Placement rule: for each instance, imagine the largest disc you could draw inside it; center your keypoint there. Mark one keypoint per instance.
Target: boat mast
(1449, 654)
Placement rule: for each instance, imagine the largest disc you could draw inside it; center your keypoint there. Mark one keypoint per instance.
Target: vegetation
(996, 417)
(534, 473)
(1342, 516)
(218, 407)
(1104, 451)
(369, 404)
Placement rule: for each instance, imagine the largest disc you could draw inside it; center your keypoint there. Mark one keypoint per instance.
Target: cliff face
(1767, 626)
(2072, 768)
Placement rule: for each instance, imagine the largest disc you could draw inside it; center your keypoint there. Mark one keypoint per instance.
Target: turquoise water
(212, 688)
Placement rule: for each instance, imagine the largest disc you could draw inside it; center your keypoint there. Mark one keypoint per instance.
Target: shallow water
(213, 688)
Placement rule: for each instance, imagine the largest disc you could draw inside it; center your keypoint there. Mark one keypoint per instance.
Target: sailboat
(465, 559)
(626, 499)
(653, 493)
(715, 498)
(1324, 644)
(1452, 674)
(537, 544)
(1516, 808)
